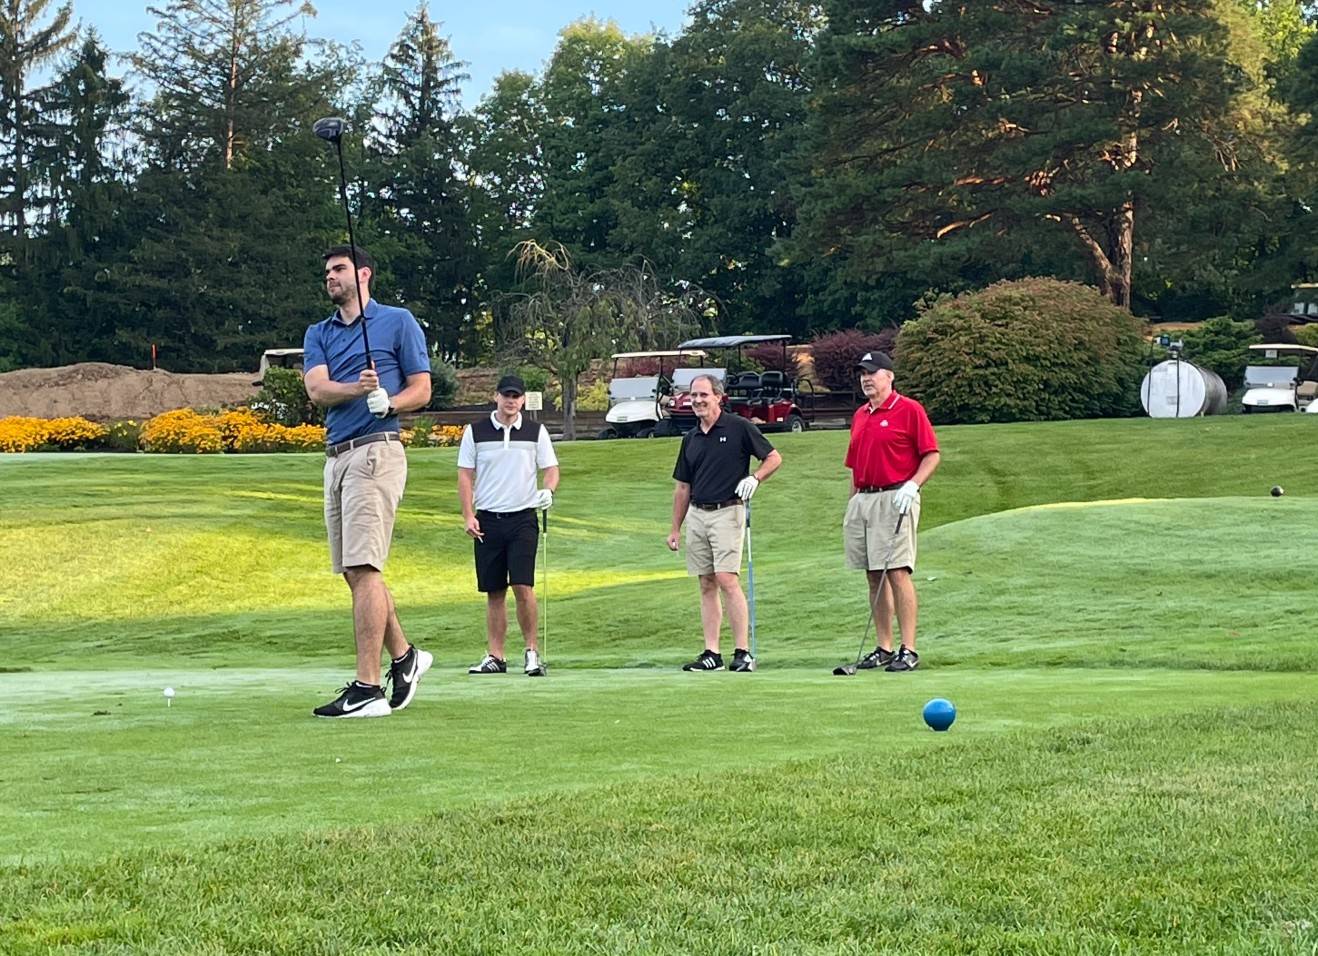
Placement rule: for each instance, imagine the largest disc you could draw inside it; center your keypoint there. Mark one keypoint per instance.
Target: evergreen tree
(26, 44)
(419, 216)
(954, 133)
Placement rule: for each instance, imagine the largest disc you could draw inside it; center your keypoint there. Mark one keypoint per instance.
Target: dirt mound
(102, 392)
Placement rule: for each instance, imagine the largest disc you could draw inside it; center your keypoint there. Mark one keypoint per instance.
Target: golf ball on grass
(1278, 491)
(939, 713)
(169, 696)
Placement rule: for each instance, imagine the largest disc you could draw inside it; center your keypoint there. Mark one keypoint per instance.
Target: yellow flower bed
(183, 430)
(18, 434)
(439, 436)
(22, 434)
(180, 431)
(73, 432)
(240, 430)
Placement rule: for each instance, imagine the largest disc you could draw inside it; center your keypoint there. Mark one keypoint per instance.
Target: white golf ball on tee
(169, 695)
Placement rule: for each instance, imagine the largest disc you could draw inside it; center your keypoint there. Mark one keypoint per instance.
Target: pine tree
(419, 214)
(26, 44)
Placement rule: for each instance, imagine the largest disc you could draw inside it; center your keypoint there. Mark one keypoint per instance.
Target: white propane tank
(1180, 389)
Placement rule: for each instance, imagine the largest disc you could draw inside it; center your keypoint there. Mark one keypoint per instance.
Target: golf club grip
(544, 520)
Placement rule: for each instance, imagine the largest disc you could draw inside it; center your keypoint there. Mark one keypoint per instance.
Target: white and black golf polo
(713, 462)
(507, 460)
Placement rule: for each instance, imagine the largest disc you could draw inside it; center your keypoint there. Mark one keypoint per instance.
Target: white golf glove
(378, 402)
(544, 499)
(746, 487)
(907, 495)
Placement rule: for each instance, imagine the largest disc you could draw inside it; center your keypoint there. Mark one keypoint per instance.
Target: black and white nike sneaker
(906, 660)
(707, 661)
(535, 667)
(876, 658)
(489, 665)
(742, 662)
(405, 674)
(356, 700)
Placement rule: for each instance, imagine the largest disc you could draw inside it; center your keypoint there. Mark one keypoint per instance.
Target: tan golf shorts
(713, 540)
(363, 487)
(867, 532)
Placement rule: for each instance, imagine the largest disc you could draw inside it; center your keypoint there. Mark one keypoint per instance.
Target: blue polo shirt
(398, 346)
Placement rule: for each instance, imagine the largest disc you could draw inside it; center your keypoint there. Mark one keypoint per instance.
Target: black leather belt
(875, 489)
(716, 505)
(333, 451)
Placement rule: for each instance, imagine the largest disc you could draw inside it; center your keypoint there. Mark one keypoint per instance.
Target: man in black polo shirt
(713, 483)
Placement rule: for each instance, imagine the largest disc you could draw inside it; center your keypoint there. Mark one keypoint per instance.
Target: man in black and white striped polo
(498, 462)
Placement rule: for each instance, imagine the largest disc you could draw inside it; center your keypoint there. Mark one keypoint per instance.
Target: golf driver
(849, 670)
(331, 129)
(750, 577)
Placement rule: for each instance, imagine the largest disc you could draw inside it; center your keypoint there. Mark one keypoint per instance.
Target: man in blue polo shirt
(366, 466)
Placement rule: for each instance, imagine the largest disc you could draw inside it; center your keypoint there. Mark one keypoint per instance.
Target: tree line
(807, 166)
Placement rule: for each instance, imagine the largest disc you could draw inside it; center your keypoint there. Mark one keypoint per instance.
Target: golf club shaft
(352, 245)
(750, 575)
(544, 609)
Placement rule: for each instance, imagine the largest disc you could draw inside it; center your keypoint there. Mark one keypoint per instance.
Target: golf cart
(278, 358)
(1300, 308)
(773, 400)
(637, 403)
(1282, 388)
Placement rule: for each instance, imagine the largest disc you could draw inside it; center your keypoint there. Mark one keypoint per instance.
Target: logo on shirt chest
(884, 423)
(722, 439)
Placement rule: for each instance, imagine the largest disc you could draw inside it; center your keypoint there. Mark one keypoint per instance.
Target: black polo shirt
(713, 462)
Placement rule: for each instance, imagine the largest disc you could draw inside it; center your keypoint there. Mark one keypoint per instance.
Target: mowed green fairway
(1120, 612)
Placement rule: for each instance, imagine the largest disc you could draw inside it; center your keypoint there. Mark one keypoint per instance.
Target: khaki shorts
(867, 532)
(363, 487)
(713, 540)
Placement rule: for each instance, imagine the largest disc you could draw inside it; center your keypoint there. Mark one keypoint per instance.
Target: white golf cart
(637, 403)
(1282, 388)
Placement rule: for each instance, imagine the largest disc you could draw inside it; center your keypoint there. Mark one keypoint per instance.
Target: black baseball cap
(873, 361)
(511, 383)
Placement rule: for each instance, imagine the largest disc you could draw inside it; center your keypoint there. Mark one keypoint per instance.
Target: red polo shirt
(888, 442)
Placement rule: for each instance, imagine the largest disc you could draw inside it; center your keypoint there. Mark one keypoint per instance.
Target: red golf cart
(773, 400)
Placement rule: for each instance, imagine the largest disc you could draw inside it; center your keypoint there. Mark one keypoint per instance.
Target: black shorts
(507, 555)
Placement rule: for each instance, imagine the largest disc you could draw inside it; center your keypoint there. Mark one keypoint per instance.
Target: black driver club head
(330, 128)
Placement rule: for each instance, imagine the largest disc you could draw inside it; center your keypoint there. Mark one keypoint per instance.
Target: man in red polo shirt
(892, 453)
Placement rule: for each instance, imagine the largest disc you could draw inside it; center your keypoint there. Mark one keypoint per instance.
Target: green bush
(1031, 350)
(595, 398)
(283, 399)
(123, 435)
(1307, 334)
(1220, 346)
(443, 384)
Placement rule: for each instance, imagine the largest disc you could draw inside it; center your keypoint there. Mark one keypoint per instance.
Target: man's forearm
(465, 496)
(327, 394)
(681, 502)
(413, 397)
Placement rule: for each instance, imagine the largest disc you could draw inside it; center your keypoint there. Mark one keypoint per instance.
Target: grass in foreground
(1129, 773)
(1098, 838)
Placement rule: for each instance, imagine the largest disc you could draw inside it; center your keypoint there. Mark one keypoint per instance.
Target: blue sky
(490, 35)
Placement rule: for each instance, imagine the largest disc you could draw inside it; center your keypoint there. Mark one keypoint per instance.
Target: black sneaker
(742, 662)
(356, 700)
(707, 661)
(405, 674)
(906, 660)
(489, 665)
(876, 658)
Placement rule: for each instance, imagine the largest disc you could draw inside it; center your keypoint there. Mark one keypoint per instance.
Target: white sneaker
(534, 666)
